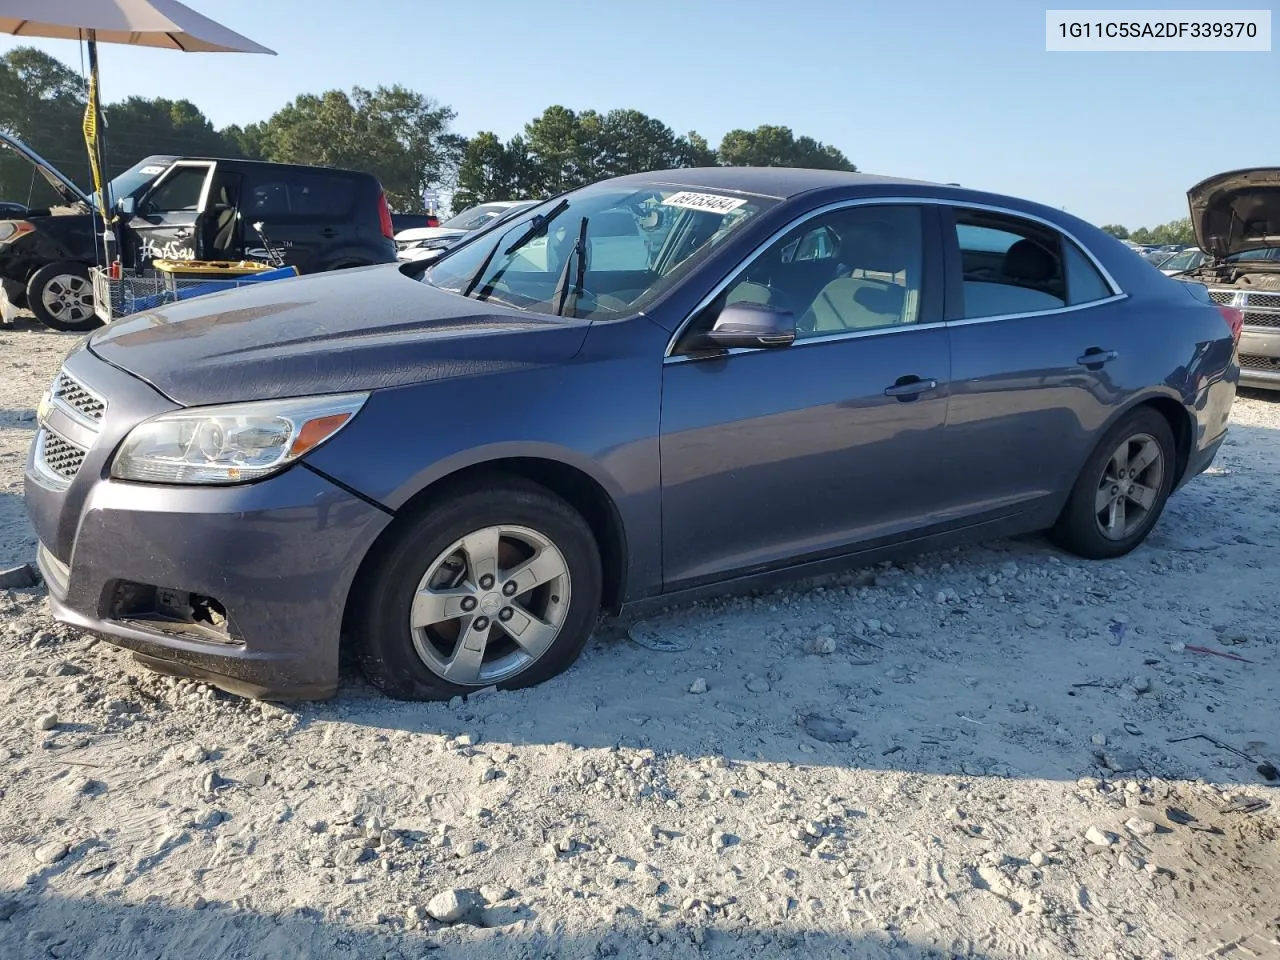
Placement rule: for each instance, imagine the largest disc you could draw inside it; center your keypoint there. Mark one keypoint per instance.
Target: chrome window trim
(1116, 292)
(806, 341)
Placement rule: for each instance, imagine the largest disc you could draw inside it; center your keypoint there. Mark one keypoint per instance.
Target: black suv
(190, 208)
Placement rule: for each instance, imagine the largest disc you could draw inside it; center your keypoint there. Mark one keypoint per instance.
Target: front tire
(61, 297)
(1122, 489)
(500, 586)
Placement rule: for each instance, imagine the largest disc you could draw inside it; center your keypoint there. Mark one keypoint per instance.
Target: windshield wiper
(563, 294)
(537, 226)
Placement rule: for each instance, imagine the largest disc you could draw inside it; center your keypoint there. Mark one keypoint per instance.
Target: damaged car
(1236, 218)
(451, 470)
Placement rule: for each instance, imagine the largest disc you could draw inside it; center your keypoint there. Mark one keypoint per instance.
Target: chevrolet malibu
(456, 469)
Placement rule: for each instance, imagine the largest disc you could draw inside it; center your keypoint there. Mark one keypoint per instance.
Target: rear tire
(61, 297)
(1122, 490)
(511, 568)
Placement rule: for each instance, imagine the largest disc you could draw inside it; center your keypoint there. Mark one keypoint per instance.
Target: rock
(699, 686)
(1099, 838)
(1038, 859)
(1089, 783)
(18, 578)
(1099, 740)
(820, 646)
(256, 778)
(826, 729)
(8, 908)
(452, 906)
(940, 597)
(758, 685)
(1120, 761)
(1140, 684)
(455, 703)
(488, 774)
(1034, 622)
(496, 893)
(47, 721)
(1140, 827)
(51, 852)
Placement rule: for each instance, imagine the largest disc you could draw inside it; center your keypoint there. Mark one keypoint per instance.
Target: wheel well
(1180, 423)
(572, 485)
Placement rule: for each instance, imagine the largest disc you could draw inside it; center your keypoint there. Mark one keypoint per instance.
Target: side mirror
(748, 325)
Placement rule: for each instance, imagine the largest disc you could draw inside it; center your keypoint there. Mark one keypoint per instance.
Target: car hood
(351, 330)
(427, 233)
(1236, 211)
(64, 187)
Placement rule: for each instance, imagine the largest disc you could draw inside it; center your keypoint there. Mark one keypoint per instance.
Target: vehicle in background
(9, 209)
(428, 243)
(609, 422)
(1236, 217)
(1186, 259)
(401, 222)
(186, 209)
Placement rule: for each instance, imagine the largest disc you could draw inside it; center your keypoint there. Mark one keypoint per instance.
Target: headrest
(1027, 260)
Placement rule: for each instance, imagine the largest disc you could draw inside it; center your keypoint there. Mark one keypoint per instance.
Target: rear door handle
(908, 388)
(1095, 357)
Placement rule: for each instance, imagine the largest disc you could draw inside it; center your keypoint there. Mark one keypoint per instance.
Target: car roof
(288, 167)
(779, 183)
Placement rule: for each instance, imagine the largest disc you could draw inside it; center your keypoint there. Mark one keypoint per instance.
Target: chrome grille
(1261, 309)
(71, 393)
(59, 456)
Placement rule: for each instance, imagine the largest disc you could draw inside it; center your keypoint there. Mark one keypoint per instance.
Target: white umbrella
(139, 23)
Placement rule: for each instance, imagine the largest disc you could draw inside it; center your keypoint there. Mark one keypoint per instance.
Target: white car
(427, 243)
(1187, 259)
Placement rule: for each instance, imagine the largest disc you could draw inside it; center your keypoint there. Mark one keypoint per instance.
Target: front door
(166, 222)
(772, 455)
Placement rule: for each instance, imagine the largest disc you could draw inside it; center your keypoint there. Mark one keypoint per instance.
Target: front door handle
(1095, 357)
(908, 388)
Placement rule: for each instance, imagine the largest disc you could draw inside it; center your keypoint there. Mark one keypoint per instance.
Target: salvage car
(189, 208)
(454, 469)
(1236, 218)
(429, 243)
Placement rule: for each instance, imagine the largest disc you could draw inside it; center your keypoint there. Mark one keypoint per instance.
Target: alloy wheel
(68, 297)
(1130, 487)
(490, 605)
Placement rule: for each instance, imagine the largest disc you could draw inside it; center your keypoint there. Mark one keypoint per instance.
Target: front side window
(850, 270)
(180, 191)
(599, 252)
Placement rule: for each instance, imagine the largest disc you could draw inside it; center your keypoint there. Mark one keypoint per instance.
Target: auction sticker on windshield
(703, 201)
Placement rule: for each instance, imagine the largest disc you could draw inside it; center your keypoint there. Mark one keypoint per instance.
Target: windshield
(1262, 253)
(476, 217)
(137, 176)
(637, 241)
(1183, 261)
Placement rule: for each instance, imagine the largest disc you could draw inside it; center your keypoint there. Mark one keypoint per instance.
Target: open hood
(1236, 211)
(65, 188)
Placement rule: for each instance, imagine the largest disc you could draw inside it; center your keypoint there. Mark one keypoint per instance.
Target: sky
(949, 91)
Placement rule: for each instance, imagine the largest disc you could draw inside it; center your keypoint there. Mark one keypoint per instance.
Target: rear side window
(1010, 265)
(299, 197)
(1084, 283)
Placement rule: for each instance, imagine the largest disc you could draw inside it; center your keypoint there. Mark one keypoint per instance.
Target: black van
(183, 208)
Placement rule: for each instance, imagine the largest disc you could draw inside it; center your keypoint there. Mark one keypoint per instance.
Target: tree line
(1175, 231)
(401, 136)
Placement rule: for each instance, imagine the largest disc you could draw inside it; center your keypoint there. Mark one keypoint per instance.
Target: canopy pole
(93, 141)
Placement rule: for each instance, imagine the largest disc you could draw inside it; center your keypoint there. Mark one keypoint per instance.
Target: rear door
(306, 214)
(165, 222)
(1043, 350)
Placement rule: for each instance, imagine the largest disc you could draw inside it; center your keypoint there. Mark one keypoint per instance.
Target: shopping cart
(169, 281)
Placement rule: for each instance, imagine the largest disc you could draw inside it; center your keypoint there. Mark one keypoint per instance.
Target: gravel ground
(981, 753)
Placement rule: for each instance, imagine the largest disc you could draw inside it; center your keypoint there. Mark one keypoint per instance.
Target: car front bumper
(276, 558)
(1259, 357)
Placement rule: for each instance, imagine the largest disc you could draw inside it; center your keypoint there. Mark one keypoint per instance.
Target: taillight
(384, 216)
(1235, 320)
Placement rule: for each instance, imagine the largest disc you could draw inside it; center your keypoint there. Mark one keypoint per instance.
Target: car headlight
(12, 229)
(234, 443)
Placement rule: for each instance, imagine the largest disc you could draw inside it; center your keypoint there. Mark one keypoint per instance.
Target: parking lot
(1001, 751)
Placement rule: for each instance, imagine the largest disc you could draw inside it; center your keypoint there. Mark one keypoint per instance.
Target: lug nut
(509, 588)
(504, 614)
(468, 604)
(481, 624)
(486, 582)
